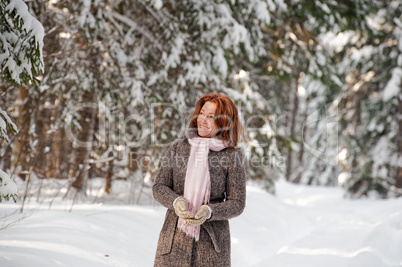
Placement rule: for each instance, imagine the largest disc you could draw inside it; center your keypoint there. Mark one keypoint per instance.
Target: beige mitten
(203, 214)
(181, 208)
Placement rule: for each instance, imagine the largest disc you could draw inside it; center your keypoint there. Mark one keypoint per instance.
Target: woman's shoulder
(234, 152)
(179, 143)
(173, 146)
(236, 149)
(234, 156)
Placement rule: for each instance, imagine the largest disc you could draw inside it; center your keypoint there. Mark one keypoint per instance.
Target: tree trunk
(109, 175)
(398, 182)
(20, 154)
(80, 164)
(56, 142)
(293, 103)
(301, 152)
(54, 167)
(41, 122)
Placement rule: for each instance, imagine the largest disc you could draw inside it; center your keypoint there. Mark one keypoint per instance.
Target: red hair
(226, 118)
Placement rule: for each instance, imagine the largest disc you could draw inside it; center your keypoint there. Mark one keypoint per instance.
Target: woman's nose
(203, 118)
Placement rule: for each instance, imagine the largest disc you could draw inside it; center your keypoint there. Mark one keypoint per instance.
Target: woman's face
(205, 122)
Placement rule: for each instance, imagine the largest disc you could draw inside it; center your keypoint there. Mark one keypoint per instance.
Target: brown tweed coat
(227, 200)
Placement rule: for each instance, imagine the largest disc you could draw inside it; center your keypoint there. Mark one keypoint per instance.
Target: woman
(202, 183)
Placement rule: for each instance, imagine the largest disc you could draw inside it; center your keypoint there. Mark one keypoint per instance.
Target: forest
(100, 89)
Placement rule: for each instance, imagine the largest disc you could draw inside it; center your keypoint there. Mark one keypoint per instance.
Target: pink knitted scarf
(197, 186)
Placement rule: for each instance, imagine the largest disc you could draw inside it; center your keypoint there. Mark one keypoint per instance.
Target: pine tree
(21, 60)
(372, 145)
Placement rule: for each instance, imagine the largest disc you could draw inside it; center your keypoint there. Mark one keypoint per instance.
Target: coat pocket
(211, 232)
(167, 233)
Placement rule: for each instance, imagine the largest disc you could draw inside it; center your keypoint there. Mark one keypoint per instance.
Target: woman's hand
(203, 214)
(181, 208)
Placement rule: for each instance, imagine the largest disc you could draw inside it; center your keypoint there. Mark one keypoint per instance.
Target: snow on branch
(21, 43)
(393, 87)
(4, 122)
(8, 189)
(133, 25)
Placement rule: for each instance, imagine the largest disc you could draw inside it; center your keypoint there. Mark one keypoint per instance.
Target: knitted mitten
(181, 208)
(203, 214)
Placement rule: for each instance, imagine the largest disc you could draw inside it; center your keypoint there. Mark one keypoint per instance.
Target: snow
(219, 62)
(36, 32)
(345, 232)
(262, 11)
(29, 23)
(7, 186)
(173, 60)
(301, 226)
(366, 52)
(282, 6)
(4, 121)
(381, 154)
(158, 4)
(393, 87)
(337, 42)
(323, 7)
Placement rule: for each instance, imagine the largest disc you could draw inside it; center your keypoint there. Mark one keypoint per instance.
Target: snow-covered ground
(301, 226)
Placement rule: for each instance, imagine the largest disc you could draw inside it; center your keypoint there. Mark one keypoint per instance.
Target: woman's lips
(204, 127)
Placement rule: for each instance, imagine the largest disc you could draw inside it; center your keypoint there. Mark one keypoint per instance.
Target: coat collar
(191, 133)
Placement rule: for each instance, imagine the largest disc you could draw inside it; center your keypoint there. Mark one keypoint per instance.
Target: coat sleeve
(163, 186)
(235, 192)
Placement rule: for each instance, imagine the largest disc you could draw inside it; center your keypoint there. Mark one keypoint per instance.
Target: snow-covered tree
(372, 104)
(21, 36)
(21, 61)
(8, 188)
(122, 78)
(361, 102)
(299, 80)
(143, 65)
(178, 53)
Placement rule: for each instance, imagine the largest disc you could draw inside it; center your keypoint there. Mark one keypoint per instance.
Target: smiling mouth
(204, 127)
